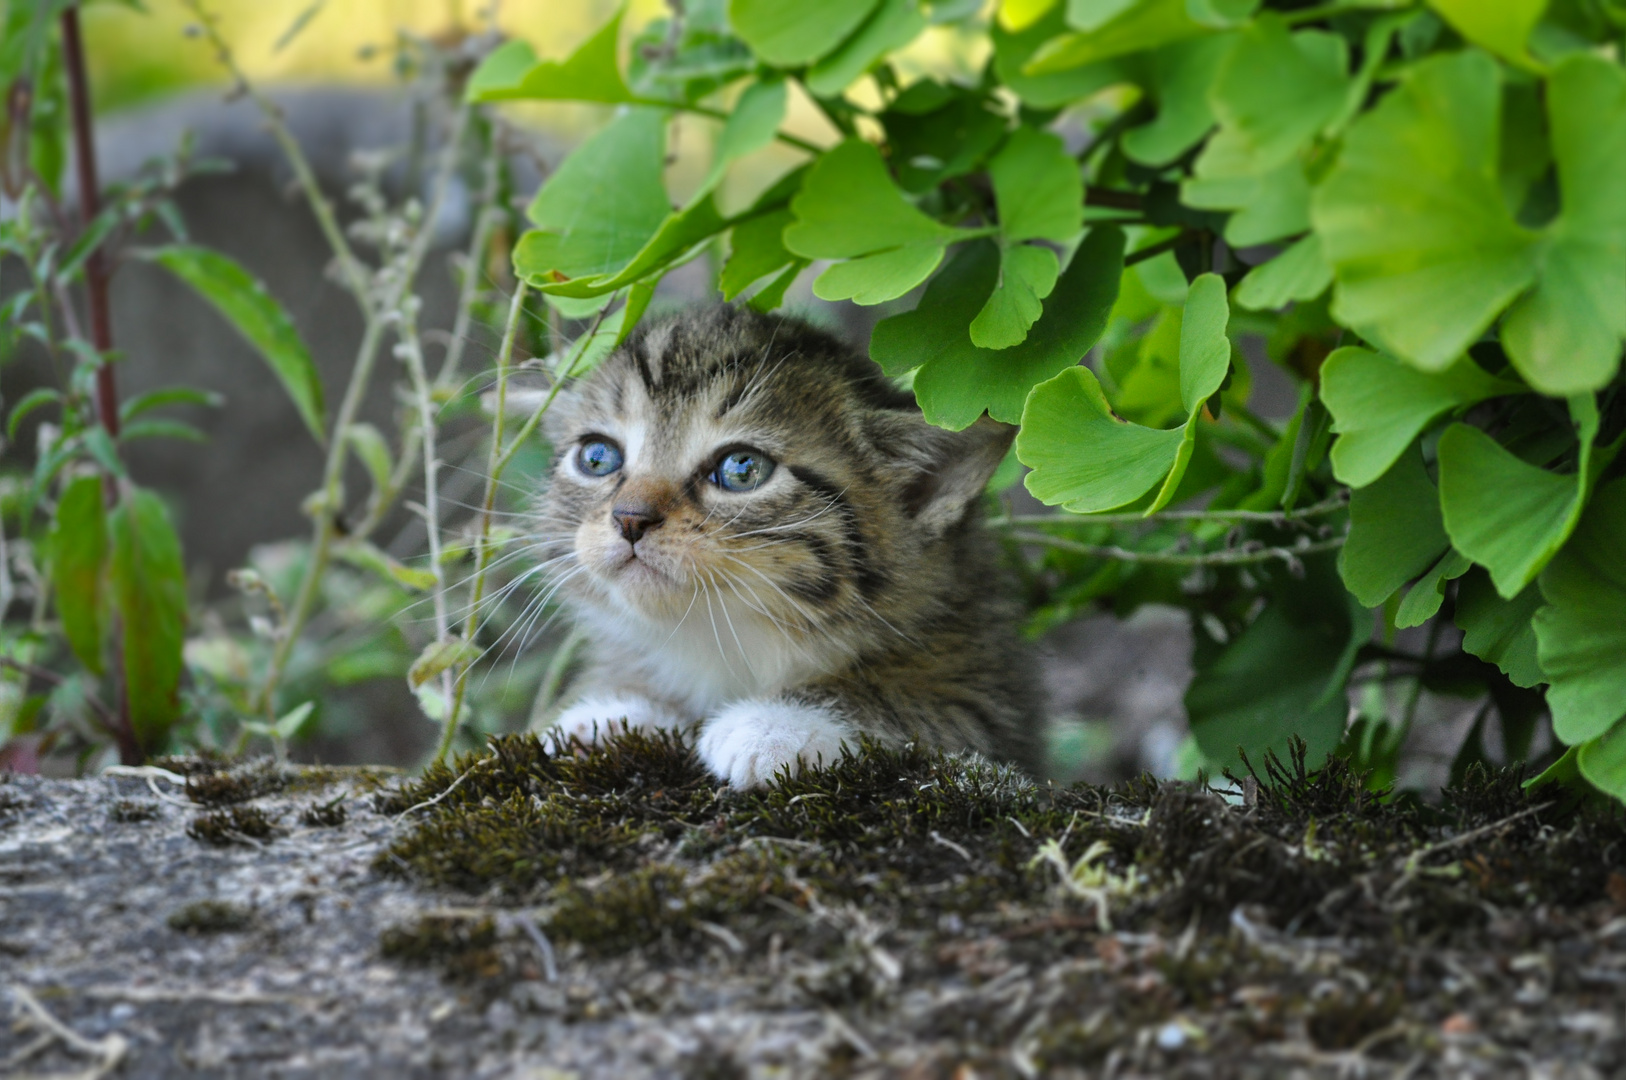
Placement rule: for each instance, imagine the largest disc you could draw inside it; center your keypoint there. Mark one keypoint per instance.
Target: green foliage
(148, 583)
(255, 315)
(1447, 283)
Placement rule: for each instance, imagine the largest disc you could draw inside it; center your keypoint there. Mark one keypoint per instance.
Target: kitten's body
(853, 592)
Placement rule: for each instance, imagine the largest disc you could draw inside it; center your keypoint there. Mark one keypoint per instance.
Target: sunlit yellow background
(136, 57)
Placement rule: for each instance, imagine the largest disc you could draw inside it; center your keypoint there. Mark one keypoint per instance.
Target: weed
(464, 947)
(133, 810)
(233, 825)
(325, 815)
(211, 917)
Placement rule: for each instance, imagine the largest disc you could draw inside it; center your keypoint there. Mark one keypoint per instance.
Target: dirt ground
(612, 914)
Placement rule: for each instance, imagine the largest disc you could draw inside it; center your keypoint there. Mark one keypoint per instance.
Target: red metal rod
(96, 271)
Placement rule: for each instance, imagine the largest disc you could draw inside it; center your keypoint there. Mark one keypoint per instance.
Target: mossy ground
(1177, 918)
(613, 912)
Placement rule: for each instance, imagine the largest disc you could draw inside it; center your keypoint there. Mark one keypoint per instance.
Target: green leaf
(99, 445)
(789, 33)
(1505, 514)
(1422, 601)
(512, 73)
(438, 656)
(678, 238)
(875, 279)
(374, 452)
(1177, 78)
(772, 294)
(1379, 406)
(1221, 13)
(1603, 762)
(1017, 15)
(364, 555)
(130, 408)
(1038, 188)
(1299, 273)
(1014, 47)
(1563, 771)
(1088, 15)
(1502, 26)
(1565, 336)
(1265, 208)
(894, 24)
(601, 205)
(1083, 457)
(1272, 93)
(756, 250)
(1205, 351)
(1581, 633)
(751, 125)
(1395, 531)
(1026, 276)
(40, 395)
(289, 723)
(848, 206)
(1499, 631)
(1113, 462)
(957, 381)
(1142, 24)
(161, 429)
(1284, 676)
(78, 558)
(149, 590)
(1424, 252)
(258, 317)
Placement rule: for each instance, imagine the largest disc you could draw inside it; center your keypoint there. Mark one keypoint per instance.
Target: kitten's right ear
(950, 468)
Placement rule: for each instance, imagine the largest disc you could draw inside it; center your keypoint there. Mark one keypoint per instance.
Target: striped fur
(854, 592)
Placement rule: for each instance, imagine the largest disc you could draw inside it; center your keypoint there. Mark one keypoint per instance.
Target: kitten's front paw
(595, 718)
(749, 741)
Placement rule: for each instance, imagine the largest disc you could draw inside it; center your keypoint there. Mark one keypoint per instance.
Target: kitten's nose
(636, 518)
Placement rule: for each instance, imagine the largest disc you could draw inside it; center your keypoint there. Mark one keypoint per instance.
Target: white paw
(748, 742)
(595, 718)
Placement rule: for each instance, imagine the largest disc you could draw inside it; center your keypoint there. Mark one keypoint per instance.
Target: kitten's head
(751, 458)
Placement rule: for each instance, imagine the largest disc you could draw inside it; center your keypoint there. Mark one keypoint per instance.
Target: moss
(211, 917)
(631, 846)
(203, 762)
(325, 815)
(233, 825)
(236, 783)
(11, 805)
(463, 947)
(133, 810)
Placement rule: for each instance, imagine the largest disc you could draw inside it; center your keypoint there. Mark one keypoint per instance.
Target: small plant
(211, 917)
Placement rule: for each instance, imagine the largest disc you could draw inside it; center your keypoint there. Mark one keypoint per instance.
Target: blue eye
(598, 457)
(742, 470)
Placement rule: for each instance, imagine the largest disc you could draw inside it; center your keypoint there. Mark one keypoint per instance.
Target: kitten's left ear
(951, 467)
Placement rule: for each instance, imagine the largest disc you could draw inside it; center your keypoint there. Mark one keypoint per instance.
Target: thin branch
(496, 462)
(354, 271)
(1232, 557)
(1272, 517)
(46, 675)
(326, 509)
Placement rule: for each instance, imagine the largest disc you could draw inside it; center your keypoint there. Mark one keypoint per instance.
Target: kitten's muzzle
(634, 518)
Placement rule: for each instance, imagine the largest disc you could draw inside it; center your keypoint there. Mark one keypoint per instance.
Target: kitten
(763, 540)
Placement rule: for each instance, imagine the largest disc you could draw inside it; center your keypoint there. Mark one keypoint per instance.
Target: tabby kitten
(763, 540)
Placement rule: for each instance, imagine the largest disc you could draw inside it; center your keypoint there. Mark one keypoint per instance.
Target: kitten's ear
(951, 468)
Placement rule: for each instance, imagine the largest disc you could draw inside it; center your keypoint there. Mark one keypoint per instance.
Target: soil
(610, 913)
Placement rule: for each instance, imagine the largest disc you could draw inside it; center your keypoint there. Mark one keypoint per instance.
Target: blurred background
(341, 71)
